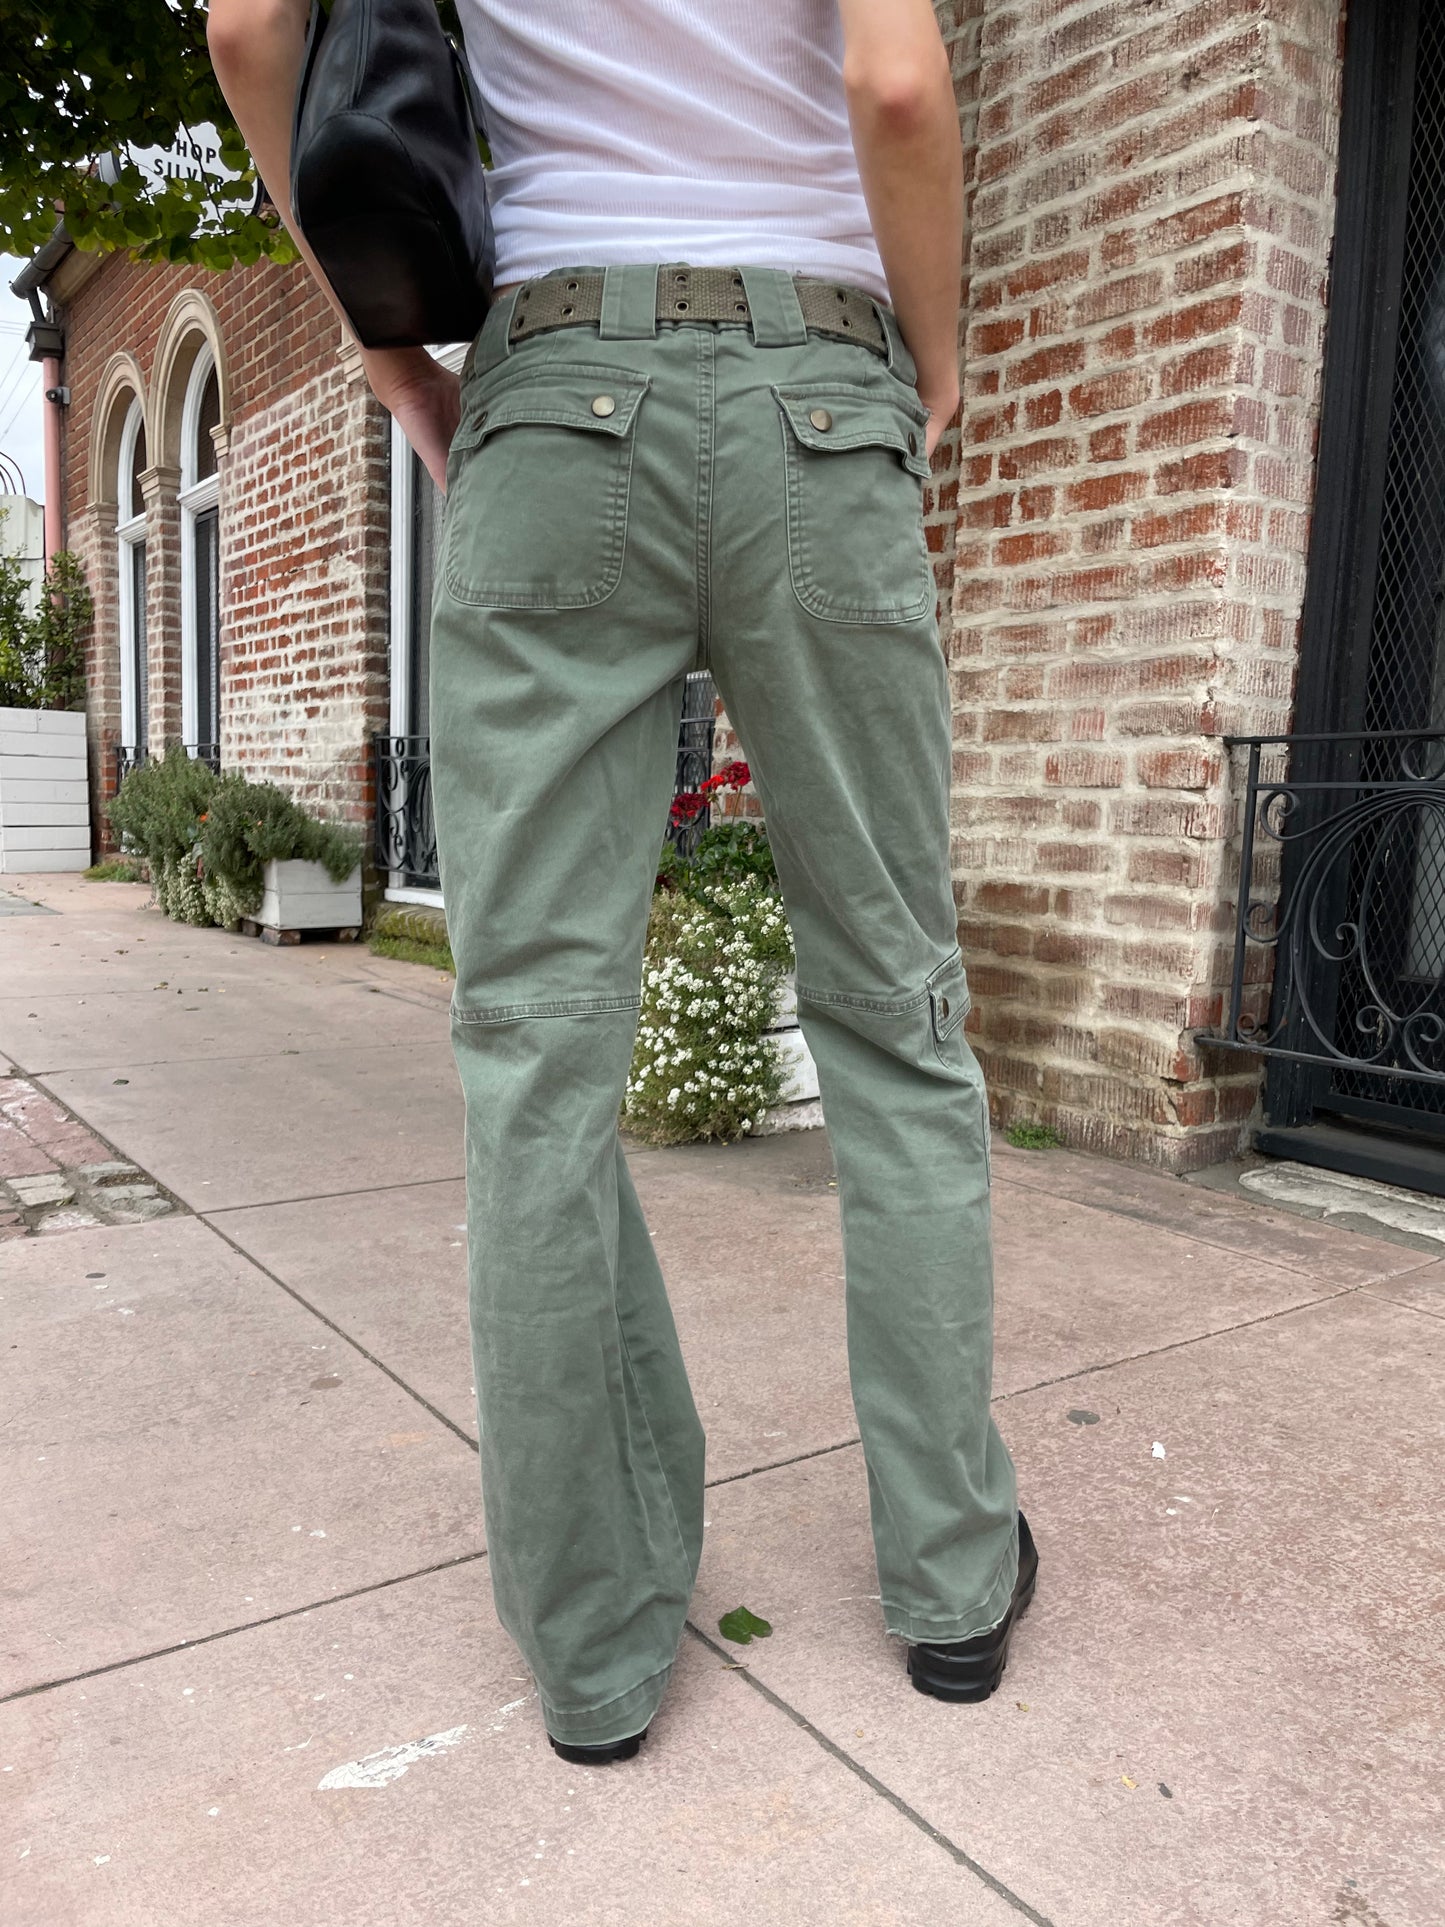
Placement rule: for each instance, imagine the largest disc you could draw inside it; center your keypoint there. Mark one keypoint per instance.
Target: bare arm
(256, 48)
(910, 158)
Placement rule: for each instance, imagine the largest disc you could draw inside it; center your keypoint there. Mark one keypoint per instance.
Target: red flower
(732, 776)
(686, 805)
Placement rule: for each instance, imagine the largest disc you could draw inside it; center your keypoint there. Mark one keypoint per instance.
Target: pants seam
(651, 1439)
(706, 399)
(884, 1007)
(559, 1007)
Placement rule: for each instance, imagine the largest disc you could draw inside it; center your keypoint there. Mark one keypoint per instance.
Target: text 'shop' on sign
(194, 155)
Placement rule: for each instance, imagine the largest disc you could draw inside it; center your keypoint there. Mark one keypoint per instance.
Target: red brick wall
(304, 508)
(1149, 233)
(305, 556)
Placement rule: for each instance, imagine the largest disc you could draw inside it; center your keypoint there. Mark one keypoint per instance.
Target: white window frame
(195, 498)
(399, 660)
(130, 529)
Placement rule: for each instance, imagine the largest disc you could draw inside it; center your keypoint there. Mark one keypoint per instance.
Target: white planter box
(801, 1084)
(303, 896)
(44, 791)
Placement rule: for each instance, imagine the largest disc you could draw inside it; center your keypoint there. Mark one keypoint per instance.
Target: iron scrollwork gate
(1339, 941)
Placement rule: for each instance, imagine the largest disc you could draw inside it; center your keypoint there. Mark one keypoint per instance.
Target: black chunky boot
(599, 1755)
(970, 1669)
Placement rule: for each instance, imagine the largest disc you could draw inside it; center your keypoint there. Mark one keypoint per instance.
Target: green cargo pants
(626, 502)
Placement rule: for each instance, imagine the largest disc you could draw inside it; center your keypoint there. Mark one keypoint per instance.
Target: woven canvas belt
(697, 294)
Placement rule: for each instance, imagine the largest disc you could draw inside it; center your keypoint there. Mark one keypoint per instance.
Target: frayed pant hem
(617, 1719)
(991, 1612)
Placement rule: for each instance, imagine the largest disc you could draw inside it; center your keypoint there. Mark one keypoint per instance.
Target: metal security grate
(694, 754)
(1387, 907)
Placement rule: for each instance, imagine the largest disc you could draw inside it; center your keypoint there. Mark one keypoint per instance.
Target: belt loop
(492, 343)
(629, 302)
(898, 356)
(775, 313)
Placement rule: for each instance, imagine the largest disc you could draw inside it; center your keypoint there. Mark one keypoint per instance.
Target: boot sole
(969, 1682)
(599, 1755)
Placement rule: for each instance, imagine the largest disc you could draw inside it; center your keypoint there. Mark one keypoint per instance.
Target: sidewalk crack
(870, 1780)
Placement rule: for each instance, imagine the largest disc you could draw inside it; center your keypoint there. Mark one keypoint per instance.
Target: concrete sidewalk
(251, 1676)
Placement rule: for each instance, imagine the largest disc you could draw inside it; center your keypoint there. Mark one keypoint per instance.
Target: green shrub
(703, 1066)
(725, 852)
(159, 806)
(1034, 1137)
(115, 869)
(42, 650)
(207, 837)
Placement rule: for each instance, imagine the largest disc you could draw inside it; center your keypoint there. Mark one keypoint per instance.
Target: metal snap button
(943, 1007)
(912, 444)
(603, 405)
(821, 420)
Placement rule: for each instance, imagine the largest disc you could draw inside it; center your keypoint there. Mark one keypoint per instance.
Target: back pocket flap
(829, 418)
(597, 399)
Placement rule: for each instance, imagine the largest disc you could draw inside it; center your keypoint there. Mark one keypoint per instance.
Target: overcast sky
(20, 403)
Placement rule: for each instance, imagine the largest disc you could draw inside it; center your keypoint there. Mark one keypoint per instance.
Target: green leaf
(84, 78)
(743, 1627)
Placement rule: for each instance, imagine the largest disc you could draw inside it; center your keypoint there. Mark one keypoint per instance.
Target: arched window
(131, 531)
(200, 558)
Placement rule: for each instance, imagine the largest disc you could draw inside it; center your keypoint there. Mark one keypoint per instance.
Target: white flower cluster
(703, 1064)
(179, 893)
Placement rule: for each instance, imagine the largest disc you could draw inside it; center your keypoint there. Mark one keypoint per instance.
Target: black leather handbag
(387, 182)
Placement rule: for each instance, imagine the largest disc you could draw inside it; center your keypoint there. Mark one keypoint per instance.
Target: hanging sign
(194, 155)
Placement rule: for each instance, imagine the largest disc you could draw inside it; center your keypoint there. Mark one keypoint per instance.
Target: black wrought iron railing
(694, 757)
(406, 838)
(406, 842)
(128, 756)
(1339, 936)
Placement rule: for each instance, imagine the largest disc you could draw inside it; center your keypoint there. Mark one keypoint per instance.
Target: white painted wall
(44, 797)
(22, 533)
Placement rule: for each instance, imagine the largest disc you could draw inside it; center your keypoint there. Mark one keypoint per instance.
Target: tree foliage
(42, 649)
(84, 78)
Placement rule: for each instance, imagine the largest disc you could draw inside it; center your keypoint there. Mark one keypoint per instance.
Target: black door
(1360, 999)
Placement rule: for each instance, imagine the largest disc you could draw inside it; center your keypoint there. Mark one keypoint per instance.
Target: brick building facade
(1121, 525)
(300, 566)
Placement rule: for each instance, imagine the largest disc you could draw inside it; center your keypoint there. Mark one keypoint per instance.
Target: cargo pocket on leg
(948, 1000)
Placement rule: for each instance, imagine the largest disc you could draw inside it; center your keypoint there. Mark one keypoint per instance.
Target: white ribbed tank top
(706, 131)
